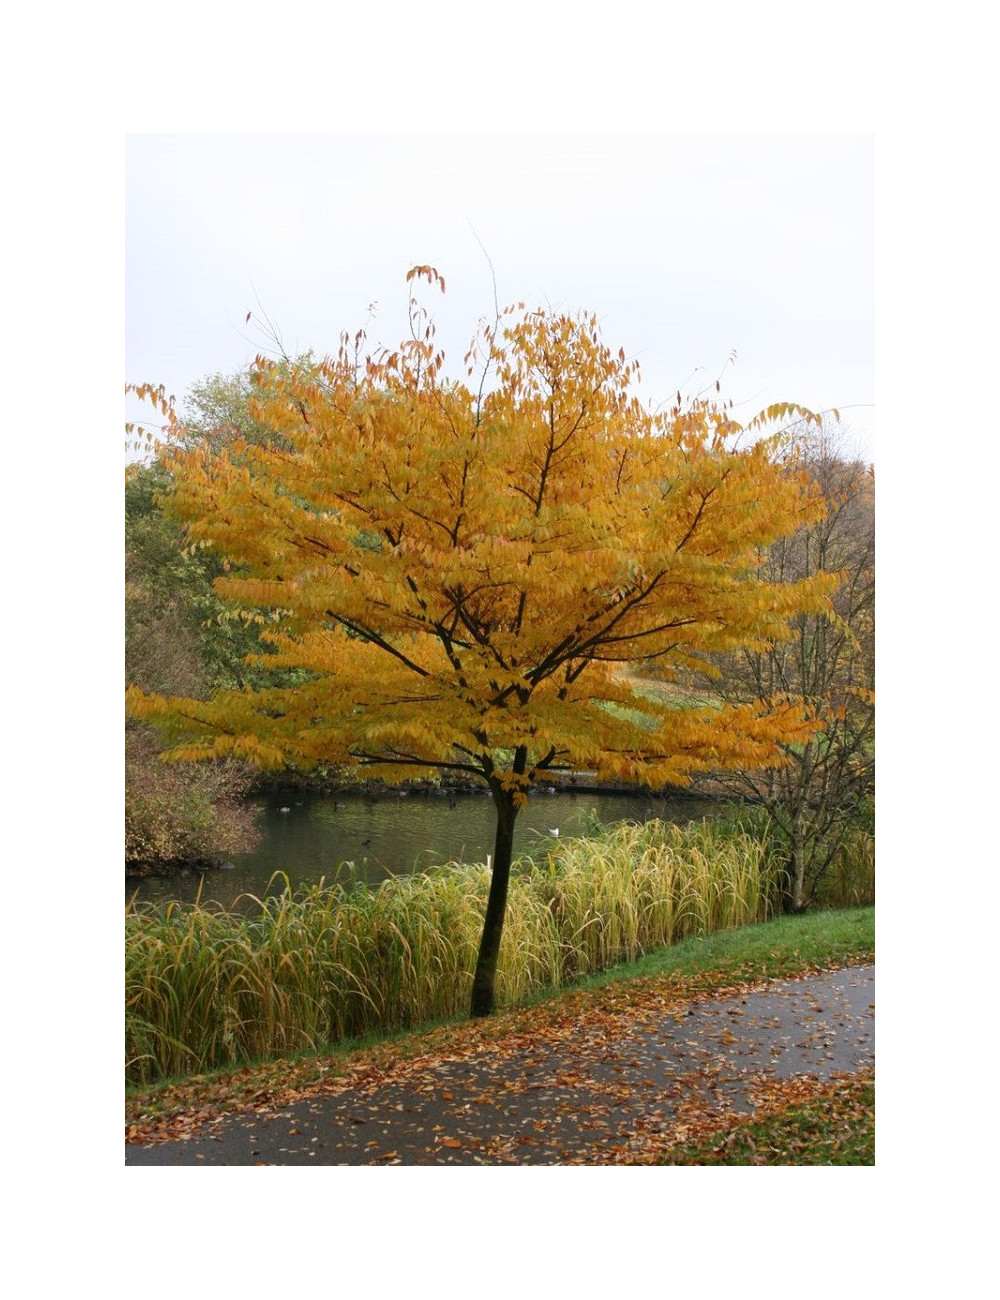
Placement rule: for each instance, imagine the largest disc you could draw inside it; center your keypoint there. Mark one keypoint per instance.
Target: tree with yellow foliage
(463, 568)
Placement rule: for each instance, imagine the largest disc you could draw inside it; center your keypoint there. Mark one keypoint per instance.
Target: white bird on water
(554, 830)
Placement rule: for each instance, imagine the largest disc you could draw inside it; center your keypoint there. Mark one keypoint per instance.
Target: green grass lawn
(784, 946)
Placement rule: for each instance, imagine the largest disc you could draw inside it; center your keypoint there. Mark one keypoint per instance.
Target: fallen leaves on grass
(798, 1121)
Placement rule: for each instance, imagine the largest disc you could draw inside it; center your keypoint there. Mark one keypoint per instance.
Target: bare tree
(829, 665)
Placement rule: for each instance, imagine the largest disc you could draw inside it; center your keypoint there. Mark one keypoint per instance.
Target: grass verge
(834, 1126)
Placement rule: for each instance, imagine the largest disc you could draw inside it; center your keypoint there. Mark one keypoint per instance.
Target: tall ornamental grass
(306, 969)
(850, 879)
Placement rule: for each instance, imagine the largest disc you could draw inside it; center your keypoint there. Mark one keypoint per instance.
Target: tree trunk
(798, 868)
(484, 981)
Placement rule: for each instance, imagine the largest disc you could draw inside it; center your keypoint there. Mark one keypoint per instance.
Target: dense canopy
(461, 570)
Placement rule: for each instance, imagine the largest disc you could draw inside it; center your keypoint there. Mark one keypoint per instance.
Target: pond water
(309, 837)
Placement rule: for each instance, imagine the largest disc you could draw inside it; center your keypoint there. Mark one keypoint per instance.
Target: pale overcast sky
(688, 247)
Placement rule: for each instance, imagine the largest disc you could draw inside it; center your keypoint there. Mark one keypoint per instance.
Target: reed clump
(850, 879)
(308, 968)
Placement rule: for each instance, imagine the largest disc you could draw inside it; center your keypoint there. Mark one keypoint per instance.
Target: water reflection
(309, 838)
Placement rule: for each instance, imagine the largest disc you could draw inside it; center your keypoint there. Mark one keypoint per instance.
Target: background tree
(461, 570)
(826, 788)
(181, 638)
(172, 612)
(174, 815)
(218, 408)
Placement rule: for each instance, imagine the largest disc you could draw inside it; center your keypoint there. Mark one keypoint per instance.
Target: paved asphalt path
(585, 1096)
